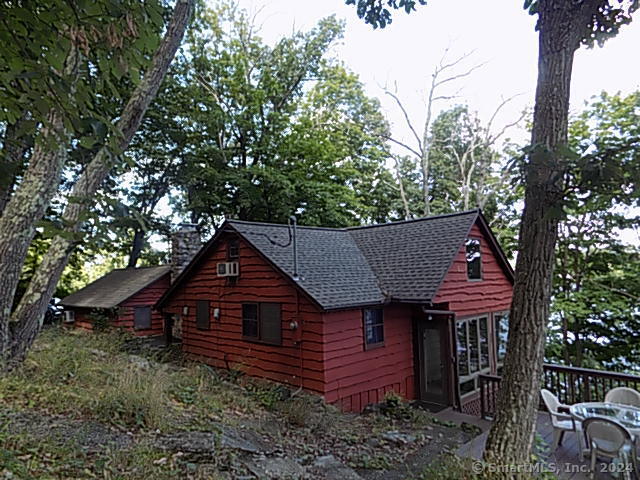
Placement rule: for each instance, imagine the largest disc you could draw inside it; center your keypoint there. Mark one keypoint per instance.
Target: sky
(405, 53)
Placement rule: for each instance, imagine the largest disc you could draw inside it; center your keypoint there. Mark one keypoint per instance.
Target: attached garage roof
(115, 287)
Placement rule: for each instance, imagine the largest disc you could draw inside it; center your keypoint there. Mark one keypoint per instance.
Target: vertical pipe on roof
(293, 223)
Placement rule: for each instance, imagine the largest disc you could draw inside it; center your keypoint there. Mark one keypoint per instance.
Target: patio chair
(623, 396)
(609, 439)
(561, 422)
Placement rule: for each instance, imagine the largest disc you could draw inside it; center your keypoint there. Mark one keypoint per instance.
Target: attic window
(474, 259)
(233, 249)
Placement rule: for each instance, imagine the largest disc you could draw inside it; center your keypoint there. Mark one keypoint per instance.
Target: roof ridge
(298, 226)
(140, 268)
(414, 220)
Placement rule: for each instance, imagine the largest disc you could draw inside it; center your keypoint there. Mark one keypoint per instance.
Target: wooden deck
(565, 462)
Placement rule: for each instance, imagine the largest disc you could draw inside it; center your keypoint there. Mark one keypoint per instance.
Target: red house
(123, 298)
(417, 307)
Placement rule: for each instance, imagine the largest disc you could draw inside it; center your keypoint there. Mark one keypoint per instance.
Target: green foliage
(260, 132)
(101, 318)
(604, 24)
(375, 13)
(597, 277)
(115, 40)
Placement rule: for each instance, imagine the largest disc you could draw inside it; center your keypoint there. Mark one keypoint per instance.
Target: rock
(247, 441)
(191, 442)
(330, 468)
(282, 468)
(398, 438)
(139, 362)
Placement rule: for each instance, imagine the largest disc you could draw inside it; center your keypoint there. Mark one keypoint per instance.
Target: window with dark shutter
(202, 314)
(250, 320)
(373, 327)
(270, 324)
(142, 318)
(474, 259)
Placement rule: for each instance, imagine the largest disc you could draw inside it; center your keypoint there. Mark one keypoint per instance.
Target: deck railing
(570, 384)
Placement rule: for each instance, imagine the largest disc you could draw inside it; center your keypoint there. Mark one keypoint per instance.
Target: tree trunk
(27, 206)
(137, 245)
(14, 149)
(403, 194)
(561, 25)
(26, 319)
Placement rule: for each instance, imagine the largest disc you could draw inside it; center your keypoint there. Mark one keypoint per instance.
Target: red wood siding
(356, 377)
(82, 318)
(468, 298)
(147, 297)
(298, 361)
(465, 297)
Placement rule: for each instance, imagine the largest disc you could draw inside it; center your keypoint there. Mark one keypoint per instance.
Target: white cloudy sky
(499, 32)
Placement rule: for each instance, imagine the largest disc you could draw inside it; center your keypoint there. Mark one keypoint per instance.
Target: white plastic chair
(562, 422)
(609, 439)
(623, 396)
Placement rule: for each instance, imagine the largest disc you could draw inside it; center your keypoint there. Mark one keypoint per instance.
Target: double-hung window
(262, 322)
(373, 327)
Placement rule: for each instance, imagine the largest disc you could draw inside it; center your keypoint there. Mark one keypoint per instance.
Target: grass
(24, 457)
(91, 376)
(85, 375)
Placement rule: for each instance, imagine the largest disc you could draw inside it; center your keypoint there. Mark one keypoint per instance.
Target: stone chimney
(185, 243)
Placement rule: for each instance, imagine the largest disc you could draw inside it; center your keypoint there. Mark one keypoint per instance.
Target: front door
(433, 368)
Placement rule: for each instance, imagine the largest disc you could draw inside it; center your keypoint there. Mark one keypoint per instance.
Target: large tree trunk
(137, 245)
(27, 206)
(561, 24)
(14, 148)
(26, 319)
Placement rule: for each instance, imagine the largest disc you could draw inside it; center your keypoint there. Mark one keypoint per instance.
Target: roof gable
(115, 287)
(412, 258)
(351, 267)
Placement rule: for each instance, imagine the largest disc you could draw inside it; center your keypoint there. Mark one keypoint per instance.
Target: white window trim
(481, 371)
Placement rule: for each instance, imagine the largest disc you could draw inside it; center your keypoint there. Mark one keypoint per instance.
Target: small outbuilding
(123, 298)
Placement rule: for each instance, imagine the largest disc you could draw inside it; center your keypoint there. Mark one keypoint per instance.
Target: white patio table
(627, 416)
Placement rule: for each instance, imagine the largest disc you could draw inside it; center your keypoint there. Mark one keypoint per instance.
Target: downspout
(454, 358)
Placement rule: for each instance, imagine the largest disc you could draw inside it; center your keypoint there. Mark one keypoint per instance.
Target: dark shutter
(250, 320)
(142, 318)
(270, 323)
(202, 314)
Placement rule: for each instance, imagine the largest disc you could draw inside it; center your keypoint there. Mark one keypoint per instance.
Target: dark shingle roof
(349, 267)
(115, 287)
(331, 267)
(411, 258)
